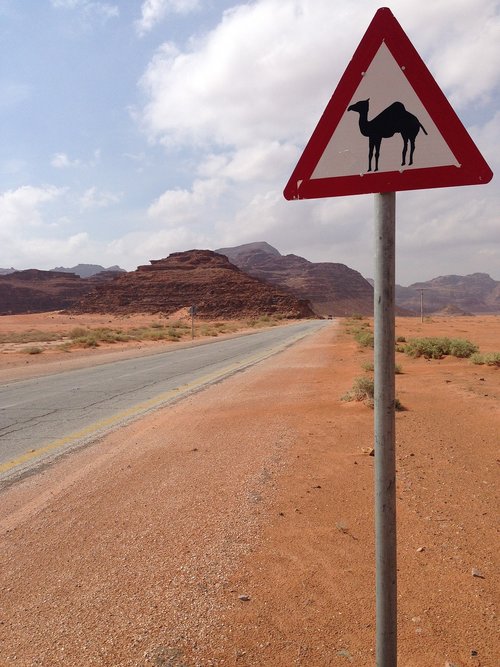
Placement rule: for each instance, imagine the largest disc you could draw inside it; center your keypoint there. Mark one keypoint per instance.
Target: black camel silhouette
(390, 121)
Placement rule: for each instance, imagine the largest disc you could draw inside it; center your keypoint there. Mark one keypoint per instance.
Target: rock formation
(332, 289)
(475, 293)
(200, 278)
(35, 291)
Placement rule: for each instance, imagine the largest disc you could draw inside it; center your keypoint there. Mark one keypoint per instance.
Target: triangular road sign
(387, 127)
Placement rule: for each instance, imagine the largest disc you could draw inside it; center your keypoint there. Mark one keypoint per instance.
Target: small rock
(476, 573)
(369, 451)
(474, 653)
(420, 549)
(244, 598)
(450, 664)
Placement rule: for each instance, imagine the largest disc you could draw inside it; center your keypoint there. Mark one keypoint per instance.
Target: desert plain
(235, 527)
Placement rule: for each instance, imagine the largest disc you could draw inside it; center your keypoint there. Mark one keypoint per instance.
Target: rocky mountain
(35, 291)
(200, 278)
(332, 289)
(88, 270)
(474, 293)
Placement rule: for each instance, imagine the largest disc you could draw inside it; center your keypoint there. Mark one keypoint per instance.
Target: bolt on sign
(388, 127)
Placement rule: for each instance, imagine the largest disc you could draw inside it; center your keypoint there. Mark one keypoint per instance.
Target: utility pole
(422, 290)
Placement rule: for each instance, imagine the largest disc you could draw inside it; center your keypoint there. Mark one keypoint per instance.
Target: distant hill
(88, 270)
(200, 278)
(474, 293)
(332, 289)
(35, 291)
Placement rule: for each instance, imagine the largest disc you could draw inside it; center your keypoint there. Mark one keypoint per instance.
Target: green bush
(364, 338)
(488, 359)
(437, 348)
(362, 389)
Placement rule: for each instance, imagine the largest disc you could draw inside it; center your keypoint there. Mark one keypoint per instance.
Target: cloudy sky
(130, 130)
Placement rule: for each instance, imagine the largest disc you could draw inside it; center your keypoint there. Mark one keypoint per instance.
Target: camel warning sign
(387, 127)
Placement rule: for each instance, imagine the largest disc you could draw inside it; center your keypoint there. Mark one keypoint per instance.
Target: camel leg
(377, 152)
(405, 148)
(370, 154)
(412, 149)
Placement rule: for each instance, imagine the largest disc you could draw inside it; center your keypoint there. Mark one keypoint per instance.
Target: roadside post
(192, 311)
(413, 140)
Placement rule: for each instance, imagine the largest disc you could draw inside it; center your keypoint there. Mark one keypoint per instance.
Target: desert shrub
(400, 339)
(364, 338)
(461, 348)
(488, 359)
(78, 332)
(437, 348)
(362, 389)
(90, 340)
(398, 369)
(32, 350)
(174, 334)
(31, 336)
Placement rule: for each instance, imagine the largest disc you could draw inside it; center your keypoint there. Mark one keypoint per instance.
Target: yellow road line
(140, 408)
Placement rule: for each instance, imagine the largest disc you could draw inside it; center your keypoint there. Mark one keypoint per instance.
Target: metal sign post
(384, 427)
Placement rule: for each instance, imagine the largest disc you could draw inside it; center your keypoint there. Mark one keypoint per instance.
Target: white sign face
(383, 85)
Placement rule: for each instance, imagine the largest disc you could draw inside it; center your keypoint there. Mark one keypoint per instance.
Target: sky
(132, 129)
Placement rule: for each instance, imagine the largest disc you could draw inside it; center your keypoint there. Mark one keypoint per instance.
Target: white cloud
(28, 231)
(21, 208)
(154, 11)
(93, 198)
(62, 161)
(180, 207)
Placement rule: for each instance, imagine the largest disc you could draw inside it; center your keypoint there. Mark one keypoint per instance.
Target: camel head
(360, 107)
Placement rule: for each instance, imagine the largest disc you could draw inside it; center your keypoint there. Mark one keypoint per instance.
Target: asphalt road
(43, 417)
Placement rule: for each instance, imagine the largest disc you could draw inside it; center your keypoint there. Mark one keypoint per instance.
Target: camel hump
(396, 108)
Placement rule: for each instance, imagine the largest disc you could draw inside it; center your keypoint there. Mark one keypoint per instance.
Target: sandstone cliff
(200, 278)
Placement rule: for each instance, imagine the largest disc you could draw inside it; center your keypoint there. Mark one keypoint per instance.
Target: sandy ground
(137, 550)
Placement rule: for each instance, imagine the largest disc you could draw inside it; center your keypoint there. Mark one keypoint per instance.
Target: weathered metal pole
(385, 457)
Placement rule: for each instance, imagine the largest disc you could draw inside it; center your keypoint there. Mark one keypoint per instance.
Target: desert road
(43, 417)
